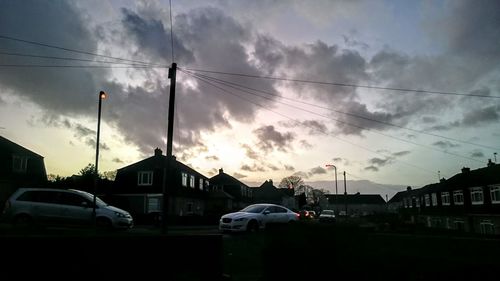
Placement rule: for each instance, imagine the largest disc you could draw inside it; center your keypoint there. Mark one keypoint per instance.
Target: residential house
(356, 204)
(268, 193)
(139, 187)
(19, 167)
(241, 194)
(468, 201)
(396, 202)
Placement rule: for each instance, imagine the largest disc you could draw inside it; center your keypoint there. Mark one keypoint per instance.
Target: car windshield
(254, 209)
(89, 196)
(327, 213)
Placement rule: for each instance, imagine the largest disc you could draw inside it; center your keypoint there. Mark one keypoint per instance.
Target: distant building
(19, 167)
(468, 201)
(268, 193)
(356, 204)
(241, 194)
(139, 187)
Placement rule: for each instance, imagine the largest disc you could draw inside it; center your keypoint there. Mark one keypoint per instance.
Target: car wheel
(252, 226)
(103, 223)
(23, 220)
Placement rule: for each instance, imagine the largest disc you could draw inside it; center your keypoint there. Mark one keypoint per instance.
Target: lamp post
(336, 189)
(102, 95)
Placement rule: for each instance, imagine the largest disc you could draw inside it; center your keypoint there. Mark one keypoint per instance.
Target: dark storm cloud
(445, 144)
(317, 171)
(488, 114)
(82, 131)
(253, 168)
(337, 159)
(272, 167)
(239, 176)
(305, 144)
(429, 119)
(314, 127)
(152, 36)
(59, 23)
(401, 153)
(301, 174)
(91, 143)
(372, 168)
(212, 158)
(249, 152)
(380, 162)
(270, 139)
(477, 154)
(289, 168)
(117, 160)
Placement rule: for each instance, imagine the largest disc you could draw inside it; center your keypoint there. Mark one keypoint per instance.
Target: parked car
(29, 206)
(255, 217)
(327, 216)
(306, 215)
(312, 214)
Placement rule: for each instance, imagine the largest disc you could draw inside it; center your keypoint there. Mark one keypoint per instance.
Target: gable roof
(225, 179)
(12, 147)
(158, 162)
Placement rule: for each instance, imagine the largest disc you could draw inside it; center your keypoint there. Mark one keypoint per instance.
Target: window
(459, 225)
(458, 197)
(476, 195)
(189, 207)
(445, 198)
(487, 227)
(434, 199)
(184, 179)
(495, 194)
(427, 200)
(242, 188)
(19, 164)
(145, 178)
(417, 202)
(191, 181)
(201, 184)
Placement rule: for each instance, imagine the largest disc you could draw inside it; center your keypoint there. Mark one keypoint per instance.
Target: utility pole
(345, 194)
(336, 189)
(167, 170)
(101, 96)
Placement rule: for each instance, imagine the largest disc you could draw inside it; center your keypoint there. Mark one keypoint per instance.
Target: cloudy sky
(257, 128)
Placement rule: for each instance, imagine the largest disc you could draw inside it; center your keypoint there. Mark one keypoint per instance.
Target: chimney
(465, 170)
(271, 182)
(158, 152)
(221, 171)
(442, 180)
(490, 163)
(408, 188)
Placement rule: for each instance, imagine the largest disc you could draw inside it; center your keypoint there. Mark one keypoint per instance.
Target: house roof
(158, 161)
(10, 146)
(220, 194)
(268, 190)
(467, 178)
(225, 179)
(355, 199)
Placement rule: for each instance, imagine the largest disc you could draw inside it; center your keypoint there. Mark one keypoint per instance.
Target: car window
(39, 196)
(72, 199)
(254, 209)
(280, 209)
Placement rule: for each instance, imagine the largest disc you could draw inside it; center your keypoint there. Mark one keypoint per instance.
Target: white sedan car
(255, 217)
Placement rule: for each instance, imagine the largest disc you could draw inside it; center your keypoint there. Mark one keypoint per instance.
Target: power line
(347, 113)
(341, 84)
(360, 127)
(72, 66)
(298, 122)
(66, 58)
(72, 50)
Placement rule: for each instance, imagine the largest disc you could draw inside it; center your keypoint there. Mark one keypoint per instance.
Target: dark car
(327, 216)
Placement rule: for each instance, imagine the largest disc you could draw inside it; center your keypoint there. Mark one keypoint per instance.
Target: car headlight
(240, 219)
(120, 215)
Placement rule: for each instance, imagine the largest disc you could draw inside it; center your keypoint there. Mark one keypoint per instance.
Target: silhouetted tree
(292, 182)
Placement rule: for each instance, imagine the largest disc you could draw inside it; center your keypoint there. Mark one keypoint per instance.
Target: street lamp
(102, 95)
(336, 189)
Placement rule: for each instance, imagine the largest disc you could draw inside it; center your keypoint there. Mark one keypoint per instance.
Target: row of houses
(138, 187)
(469, 201)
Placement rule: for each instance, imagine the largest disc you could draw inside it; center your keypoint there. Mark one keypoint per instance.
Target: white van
(60, 206)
